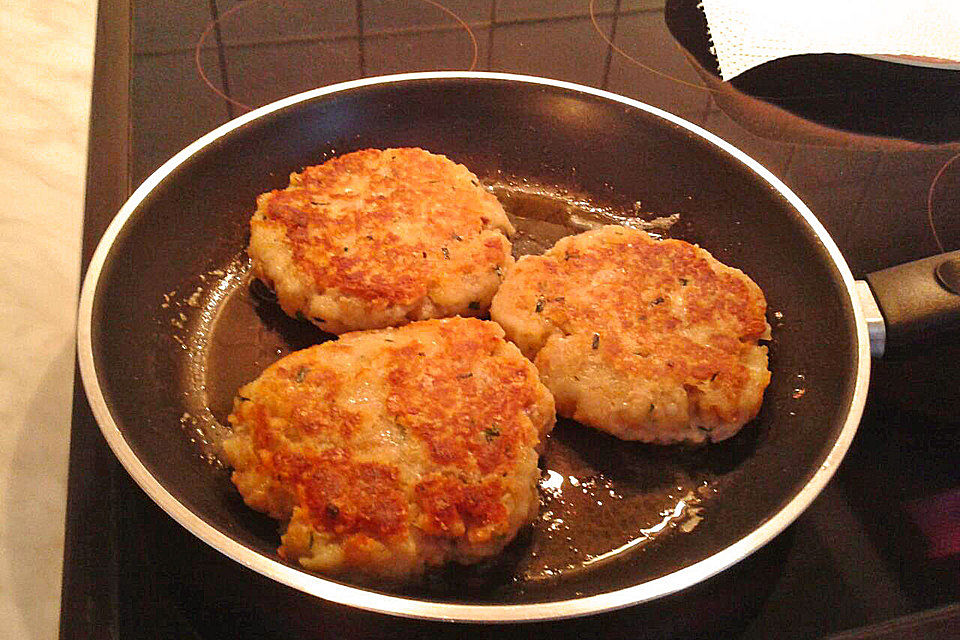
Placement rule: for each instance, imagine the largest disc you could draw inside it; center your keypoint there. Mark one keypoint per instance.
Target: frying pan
(170, 325)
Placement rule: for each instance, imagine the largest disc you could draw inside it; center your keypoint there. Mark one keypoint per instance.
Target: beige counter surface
(46, 74)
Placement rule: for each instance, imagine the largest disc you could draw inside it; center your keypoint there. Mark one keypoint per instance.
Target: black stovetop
(868, 145)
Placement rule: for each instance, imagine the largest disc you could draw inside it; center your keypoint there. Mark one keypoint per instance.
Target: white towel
(746, 33)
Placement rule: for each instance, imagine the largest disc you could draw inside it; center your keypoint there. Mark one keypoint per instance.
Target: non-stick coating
(195, 220)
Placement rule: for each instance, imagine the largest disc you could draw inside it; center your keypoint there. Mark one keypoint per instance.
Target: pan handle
(911, 301)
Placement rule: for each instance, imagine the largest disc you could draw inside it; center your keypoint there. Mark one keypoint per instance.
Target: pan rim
(453, 612)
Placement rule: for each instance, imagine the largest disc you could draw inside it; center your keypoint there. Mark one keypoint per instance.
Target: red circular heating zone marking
(614, 47)
(930, 197)
(198, 49)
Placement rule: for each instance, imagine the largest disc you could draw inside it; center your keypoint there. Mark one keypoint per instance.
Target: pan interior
(177, 327)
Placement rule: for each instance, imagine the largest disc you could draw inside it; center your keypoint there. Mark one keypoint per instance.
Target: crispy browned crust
(394, 450)
(648, 340)
(385, 236)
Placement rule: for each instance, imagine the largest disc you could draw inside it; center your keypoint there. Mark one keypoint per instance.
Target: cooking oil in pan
(543, 215)
(600, 497)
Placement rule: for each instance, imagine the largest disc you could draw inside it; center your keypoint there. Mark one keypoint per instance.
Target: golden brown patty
(652, 341)
(374, 238)
(391, 451)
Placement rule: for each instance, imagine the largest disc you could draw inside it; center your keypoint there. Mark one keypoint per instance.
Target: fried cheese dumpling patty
(647, 340)
(377, 238)
(387, 452)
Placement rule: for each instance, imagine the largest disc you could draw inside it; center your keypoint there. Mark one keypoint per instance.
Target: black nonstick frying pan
(171, 324)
